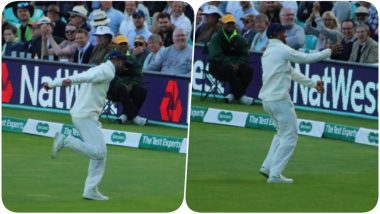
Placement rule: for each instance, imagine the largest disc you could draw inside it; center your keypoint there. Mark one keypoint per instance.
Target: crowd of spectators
(350, 29)
(85, 32)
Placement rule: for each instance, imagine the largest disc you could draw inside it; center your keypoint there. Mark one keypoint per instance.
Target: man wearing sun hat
(24, 11)
(210, 24)
(53, 12)
(99, 19)
(103, 45)
(78, 17)
(229, 60)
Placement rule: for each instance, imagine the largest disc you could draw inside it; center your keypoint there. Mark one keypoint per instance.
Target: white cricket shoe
(246, 100)
(122, 119)
(140, 121)
(95, 195)
(264, 171)
(281, 179)
(57, 144)
(229, 98)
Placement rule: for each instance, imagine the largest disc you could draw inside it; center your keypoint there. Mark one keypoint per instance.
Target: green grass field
(330, 175)
(136, 180)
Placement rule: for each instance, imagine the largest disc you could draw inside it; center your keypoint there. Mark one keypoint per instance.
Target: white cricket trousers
(284, 141)
(93, 146)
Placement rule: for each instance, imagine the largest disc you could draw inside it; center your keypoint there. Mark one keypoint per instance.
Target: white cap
(361, 9)
(210, 9)
(44, 20)
(103, 30)
(99, 18)
(79, 10)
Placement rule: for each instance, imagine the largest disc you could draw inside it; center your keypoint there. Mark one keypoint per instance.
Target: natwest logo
(7, 89)
(171, 107)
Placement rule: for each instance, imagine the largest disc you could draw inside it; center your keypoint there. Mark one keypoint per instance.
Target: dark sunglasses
(138, 44)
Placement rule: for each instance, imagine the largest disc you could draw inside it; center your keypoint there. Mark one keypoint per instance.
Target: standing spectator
(210, 24)
(115, 16)
(12, 43)
(327, 30)
(365, 49)
(178, 18)
(246, 8)
(139, 27)
(295, 35)
(139, 50)
(342, 50)
(84, 50)
(342, 10)
(248, 31)
(78, 17)
(165, 29)
(24, 12)
(54, 15)
(155, 48)
(103, 45)
(127, 23)
(229, 60)
(260, 40)
(64, 50)
(175, 59)
(99, 19)
(273, 11)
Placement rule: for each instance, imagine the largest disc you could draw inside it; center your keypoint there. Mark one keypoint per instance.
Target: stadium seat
(310, 42)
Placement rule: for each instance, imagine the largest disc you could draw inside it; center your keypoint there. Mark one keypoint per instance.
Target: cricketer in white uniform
(277, 76)
(85, 113)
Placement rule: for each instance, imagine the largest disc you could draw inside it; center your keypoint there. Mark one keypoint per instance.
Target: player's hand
(46, 86)
(66, 82)
(320, 88)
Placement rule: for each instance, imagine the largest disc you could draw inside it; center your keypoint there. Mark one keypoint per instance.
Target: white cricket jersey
(278, 72)
(92, 94)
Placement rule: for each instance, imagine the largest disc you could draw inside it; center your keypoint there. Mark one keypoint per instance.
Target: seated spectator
(84, 47)
(115, 16)
(24, 12)
(362, 17)
(178, 18)
(295, 34)
(365, 49)
(139, 50)
(35, 45)
(229, 60)
(210, 24)
(155, 48)
(327, 30)
(273, 9)
(99, 19)
(165, 29)
(139, 27)
(175, 59)
(103, 45)
(260, 40)
(248, 31)
(128, 89)
(342, 50)
(53, 13)
(64, 50)
(12, 43)
(78, 17)
(245, 8)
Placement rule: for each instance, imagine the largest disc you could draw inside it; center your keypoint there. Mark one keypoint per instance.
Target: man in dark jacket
(228, 58)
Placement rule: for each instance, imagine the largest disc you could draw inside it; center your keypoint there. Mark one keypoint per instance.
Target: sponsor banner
(13, 124)
(183, 149)
(42, 128)
(198, 113)
(225, 117)
(120, 138)
(166, 100)
(310, 127)
(350, 89)
(367, 136)
(259, 121)
(161, 143)
(340, 132)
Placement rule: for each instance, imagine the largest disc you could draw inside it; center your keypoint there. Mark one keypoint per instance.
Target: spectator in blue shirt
(139, 27)
(115, 16)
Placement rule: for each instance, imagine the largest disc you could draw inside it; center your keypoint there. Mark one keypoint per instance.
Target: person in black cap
(85, 113)
(277, 76)
(24, 11)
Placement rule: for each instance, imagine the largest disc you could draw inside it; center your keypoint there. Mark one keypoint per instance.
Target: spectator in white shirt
(178, 18)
